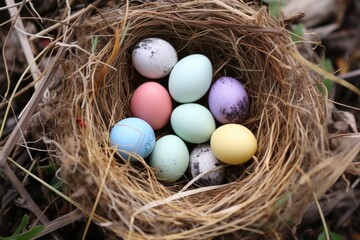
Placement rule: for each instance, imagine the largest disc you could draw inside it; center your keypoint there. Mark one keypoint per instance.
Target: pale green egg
(193, 122)
(190, 78)
(170, 158)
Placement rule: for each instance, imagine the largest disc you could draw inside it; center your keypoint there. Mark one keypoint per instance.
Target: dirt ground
(333, 23)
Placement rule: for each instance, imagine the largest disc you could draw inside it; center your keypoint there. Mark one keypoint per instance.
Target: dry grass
(287, 115)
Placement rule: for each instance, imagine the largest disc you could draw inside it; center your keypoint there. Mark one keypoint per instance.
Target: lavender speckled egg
(228, 101)
(202, 159)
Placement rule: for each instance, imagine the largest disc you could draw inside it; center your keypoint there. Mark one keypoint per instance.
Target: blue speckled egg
(133, 136)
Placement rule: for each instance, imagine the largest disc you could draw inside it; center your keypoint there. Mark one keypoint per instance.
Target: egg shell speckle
(154, 58)
(228, 101)
(202, 159)
(170, 158)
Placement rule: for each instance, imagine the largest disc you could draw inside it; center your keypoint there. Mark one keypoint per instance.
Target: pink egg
(228, 100)
(152, 103)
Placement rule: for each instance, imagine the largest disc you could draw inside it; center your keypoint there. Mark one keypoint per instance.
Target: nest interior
(287, 116)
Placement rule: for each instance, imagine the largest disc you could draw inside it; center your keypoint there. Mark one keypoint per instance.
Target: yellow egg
(233, 144)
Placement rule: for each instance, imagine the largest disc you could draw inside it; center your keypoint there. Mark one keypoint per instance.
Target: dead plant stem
(13, 139)
(24, 120)
(61, 222)
(14, 5)
(326, 230)
(25, 195)
(24, 41)
(9, 146)
(42, 33)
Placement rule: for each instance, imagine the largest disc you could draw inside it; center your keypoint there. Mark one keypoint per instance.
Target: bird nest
(287, 115)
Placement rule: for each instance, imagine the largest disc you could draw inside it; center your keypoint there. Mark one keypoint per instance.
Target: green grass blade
(94, 42)
(297, 33)
(332, 236)
(275, 7)
(31, 234)
(20, 235)
(21, 227)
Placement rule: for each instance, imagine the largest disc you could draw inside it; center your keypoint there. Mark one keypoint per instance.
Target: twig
(20, 127)
(326, 230)
(13, 139)
(328, 75)
(32, 35)
(49, 29)
(344, 105)
(14, 93)
(24, 194)
(17, 133)
(14, 13)
(61, 221)
(96, 217)
(28, 111)
(36, 13)
(14, 5)
(355, 183)
(350, 74)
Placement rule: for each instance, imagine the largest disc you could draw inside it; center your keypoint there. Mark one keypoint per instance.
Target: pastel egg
(170, 158)
(202, 159)
(228, 100)
(190, 78)
(152, 103)
(154, 57)
(132, 137)
(192, 122)
(233, 144)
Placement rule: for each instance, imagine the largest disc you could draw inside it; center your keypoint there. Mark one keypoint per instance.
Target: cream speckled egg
(154, 57)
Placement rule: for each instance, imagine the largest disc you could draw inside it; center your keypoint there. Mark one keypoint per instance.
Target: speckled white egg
(154, 57)
(202, 159)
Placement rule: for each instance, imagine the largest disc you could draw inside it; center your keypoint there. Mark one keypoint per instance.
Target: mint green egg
(190, 78)
(170, 158)
(192, 122)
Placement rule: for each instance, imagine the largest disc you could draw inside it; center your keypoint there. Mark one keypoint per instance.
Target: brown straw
(287, 116)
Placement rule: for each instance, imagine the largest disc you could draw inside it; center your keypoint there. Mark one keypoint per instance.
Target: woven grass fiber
(287, 116)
